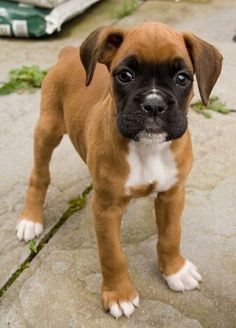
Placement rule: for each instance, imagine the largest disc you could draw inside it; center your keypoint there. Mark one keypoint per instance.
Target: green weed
(24, 78)
(127, 8)
(15, 275)
(214, 105)
(32, 246)
(78, 203)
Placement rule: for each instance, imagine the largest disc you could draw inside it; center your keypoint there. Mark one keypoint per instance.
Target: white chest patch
(150, 163)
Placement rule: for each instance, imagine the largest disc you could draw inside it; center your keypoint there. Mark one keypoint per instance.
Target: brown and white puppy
(127, 118)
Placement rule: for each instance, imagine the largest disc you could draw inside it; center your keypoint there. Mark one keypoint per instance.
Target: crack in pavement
(75, 205)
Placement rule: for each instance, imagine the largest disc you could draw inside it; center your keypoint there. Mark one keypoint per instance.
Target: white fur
(154, 89)
(153, 96)
(126, 308)
(151, 160)
(27, 230)
(187, 278)
(115, 311)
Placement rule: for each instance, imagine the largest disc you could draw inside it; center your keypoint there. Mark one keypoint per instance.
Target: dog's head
(152, 68)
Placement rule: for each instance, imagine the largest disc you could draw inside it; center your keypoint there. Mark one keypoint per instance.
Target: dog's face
(152, 69)
(152, 98)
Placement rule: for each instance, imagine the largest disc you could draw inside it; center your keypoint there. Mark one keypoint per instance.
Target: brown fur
(87, 114)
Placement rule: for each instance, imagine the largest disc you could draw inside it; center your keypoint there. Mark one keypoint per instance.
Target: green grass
(214, 105)
(24, 78)
(127, 8)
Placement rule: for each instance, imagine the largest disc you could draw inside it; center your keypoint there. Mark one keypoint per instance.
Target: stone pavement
(60, 286)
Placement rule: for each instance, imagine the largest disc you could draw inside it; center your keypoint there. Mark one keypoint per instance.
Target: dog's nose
(154, 105)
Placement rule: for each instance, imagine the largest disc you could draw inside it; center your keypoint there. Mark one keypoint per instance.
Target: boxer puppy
(123, 100)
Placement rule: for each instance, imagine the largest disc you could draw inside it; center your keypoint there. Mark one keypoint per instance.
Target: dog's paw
(27, 230)
(117, 309)
(117, 305)
(187, 278)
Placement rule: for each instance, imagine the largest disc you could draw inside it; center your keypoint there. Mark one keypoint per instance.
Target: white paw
(126, 308)
(27, 230)
(187, 278)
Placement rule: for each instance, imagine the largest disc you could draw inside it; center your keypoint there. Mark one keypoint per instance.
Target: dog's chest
(152, 166)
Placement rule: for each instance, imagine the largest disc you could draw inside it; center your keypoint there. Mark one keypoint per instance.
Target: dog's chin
(149, 138)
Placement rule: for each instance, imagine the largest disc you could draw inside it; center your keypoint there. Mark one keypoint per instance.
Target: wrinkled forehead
(157, 44)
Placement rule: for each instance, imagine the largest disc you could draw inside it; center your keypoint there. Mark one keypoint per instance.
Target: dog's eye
(182, 79)
(125, 76)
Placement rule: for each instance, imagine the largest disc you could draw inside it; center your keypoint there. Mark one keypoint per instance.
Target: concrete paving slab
(213, 20)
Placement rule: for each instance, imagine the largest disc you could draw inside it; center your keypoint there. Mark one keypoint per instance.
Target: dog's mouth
(153, 126)
(151, 129)
(153, 132)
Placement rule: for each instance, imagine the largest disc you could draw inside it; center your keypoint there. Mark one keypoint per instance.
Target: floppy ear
(100, 46)
(207, 63)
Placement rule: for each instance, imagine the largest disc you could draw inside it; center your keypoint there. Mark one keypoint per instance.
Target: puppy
(123, 99)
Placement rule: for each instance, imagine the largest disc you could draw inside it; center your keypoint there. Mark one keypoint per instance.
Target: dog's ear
(207, 63)
(100, 46)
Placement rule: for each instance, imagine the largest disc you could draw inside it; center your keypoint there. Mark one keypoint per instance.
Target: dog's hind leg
(48, 134)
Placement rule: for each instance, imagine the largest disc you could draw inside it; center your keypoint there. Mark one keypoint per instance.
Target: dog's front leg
(118, 292)
(179, 273)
